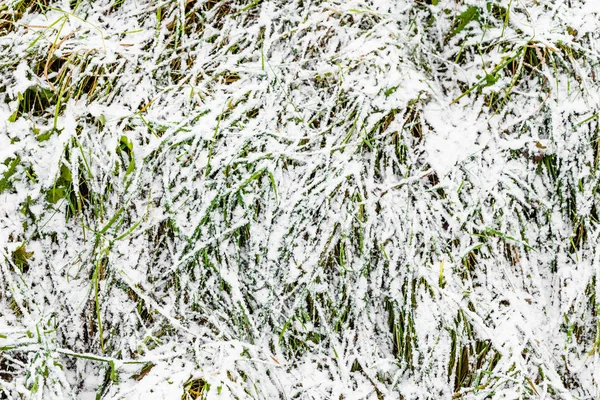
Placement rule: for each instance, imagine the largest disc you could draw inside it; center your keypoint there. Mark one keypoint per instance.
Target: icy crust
(299, 199)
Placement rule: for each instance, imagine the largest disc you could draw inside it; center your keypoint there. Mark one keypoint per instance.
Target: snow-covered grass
(298, 199)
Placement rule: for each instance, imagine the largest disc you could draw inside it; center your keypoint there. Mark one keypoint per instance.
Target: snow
(299, 173)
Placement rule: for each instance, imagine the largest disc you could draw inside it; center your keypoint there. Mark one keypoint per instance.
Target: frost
(299, 199)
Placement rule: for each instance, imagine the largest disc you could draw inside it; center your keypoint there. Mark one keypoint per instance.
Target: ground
(299, 199)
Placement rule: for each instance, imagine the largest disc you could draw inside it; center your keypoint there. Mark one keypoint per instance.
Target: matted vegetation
(299, 199)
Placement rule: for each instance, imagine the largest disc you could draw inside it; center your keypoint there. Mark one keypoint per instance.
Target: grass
(243, 199)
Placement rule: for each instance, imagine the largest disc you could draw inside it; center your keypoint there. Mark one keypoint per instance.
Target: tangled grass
(299, 199)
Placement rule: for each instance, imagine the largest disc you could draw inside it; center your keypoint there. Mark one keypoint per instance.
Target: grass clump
(249, 199)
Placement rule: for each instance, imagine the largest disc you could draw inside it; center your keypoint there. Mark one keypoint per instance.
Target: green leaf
(465, 18)
(20, 258)
(490, 79)
(65, 174)
(5, 183)
(44, 136)
(55, 194)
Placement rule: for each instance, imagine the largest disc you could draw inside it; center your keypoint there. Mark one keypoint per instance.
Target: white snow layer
(299, 199)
